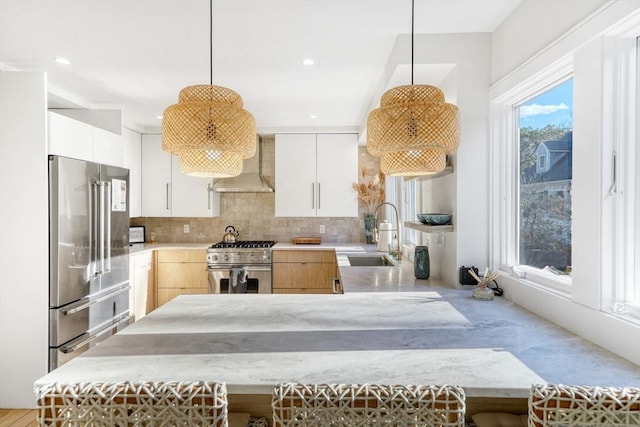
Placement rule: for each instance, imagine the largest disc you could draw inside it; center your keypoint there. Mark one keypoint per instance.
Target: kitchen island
(494, 350)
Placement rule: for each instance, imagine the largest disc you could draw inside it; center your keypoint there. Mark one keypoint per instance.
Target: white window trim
(622, 205)
(504, 169)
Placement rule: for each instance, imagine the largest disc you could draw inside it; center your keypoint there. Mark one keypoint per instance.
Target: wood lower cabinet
(304, 271)
(180, 272)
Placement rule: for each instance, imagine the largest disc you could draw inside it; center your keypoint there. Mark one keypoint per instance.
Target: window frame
(505, 127)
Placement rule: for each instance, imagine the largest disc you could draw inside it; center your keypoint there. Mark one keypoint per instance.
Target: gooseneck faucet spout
(397, 236)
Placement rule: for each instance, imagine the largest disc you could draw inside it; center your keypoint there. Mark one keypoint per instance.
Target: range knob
(252, 258)
(226, 257)
(214, 257)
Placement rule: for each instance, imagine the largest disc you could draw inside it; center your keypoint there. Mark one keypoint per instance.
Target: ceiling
(137, 54)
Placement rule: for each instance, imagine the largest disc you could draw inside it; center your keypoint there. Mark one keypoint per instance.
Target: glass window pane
(545, 147)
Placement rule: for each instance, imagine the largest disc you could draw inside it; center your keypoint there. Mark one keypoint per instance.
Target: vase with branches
(370, 192)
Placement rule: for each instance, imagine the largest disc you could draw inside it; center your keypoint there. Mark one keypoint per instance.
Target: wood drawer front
(309, 275)
(302, 291)
(199, 255)
(167, 294)
(322, 256)
(182, 275)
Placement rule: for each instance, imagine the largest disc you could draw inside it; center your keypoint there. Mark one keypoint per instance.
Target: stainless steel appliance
(246, 261)
(88, 255)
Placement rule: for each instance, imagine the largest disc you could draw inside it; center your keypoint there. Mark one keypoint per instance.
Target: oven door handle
(249, 268)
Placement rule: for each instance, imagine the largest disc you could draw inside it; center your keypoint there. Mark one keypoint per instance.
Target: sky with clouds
(553, 107)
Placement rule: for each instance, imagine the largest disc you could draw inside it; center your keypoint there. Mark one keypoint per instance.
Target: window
(542, 163)
(623, 297)
(545, 141)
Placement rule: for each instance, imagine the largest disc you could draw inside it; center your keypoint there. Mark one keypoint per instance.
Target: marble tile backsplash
(253, 215)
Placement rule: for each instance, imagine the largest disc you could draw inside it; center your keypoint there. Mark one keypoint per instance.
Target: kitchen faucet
(398, 251)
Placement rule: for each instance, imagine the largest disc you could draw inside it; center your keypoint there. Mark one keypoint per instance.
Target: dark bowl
(434, 218)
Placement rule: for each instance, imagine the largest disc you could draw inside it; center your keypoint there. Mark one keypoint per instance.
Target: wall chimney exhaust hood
(250, 180)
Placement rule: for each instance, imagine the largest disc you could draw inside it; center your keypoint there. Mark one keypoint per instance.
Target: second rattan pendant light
(208, 129)
(413, 129)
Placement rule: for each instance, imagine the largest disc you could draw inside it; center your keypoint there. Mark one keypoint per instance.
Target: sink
(371, 261)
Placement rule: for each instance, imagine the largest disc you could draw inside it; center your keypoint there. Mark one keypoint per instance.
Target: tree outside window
(545, 146)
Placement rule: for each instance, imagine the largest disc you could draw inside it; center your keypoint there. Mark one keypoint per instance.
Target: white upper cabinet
(132, 161)
(108, 147)
(166, 191)
(314, 175)
(79, 140)
(70, 138)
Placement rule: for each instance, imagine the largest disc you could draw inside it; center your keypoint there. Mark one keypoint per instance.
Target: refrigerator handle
(71, 347)
(101, 227)
(107, 240)
(95, 228)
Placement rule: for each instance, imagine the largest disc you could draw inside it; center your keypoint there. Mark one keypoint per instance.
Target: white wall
(466, 192)
(532, 26)
(24, 249)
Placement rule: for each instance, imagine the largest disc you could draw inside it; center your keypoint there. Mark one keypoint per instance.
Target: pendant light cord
(412, 24)
(211, 42)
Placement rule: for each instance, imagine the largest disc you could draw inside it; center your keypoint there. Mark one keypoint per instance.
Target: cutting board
(306, 240)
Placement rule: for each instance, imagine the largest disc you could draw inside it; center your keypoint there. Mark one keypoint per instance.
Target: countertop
(387, 327)
(439, 335)
(255, 341)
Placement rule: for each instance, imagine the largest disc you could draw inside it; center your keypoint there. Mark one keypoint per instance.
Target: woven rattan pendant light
(208, 129)
(413, 129)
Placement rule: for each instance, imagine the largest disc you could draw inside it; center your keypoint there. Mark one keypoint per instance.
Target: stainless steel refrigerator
(88, 255)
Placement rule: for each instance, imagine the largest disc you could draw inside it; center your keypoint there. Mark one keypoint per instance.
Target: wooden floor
(17, 417)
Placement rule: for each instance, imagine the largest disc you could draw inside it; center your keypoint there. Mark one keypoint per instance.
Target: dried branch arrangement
(370, 191)
(487, 277)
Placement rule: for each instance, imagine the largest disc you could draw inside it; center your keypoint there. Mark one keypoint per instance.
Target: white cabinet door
(295, 170)
(314, 175)
(132, 161)
(108, 147)
(70, 138)
(337, 170)
(79, 140)
(166, 191)
(156, 177)
(140, 264)
(192, 196)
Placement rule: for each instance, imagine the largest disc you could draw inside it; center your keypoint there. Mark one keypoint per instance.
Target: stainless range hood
(250, 180)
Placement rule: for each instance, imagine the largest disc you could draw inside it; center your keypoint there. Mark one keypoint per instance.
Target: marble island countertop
(388, 327)
(439, 335)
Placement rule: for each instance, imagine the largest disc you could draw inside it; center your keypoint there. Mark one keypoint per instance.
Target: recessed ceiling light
(158, 117)
(63, 61)
(313, 116)
(308, 61)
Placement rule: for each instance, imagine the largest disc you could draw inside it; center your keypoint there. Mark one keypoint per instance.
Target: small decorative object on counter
(370, 191)
(369, 226)
(421, 263)
(482, 291)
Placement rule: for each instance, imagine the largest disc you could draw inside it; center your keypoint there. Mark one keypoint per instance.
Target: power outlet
(186, 228)
(322, 229)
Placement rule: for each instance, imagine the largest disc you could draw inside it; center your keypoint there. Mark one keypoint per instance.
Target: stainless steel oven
(240, 267)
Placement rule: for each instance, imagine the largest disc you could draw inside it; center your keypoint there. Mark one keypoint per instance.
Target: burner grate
(244, 244)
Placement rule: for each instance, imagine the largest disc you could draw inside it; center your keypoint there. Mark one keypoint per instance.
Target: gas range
(240, 253)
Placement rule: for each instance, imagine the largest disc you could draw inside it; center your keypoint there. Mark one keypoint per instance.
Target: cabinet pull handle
(313, 195)
(209, 196)
(335, 283)
(167, 196)
(614, 184)
(319, 196)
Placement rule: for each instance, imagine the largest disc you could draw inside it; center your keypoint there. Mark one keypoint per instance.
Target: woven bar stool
(355, 405)
(573, 406)
(198, 403)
